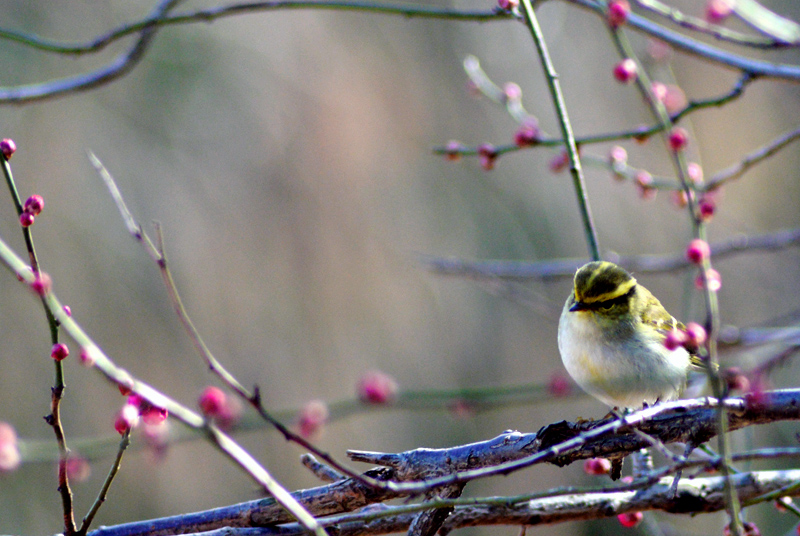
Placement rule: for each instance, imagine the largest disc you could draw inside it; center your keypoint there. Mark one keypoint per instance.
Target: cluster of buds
(135, 408)
(33, 207)
(692, 337)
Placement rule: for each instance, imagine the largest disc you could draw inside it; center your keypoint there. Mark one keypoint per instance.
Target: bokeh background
(288, 157)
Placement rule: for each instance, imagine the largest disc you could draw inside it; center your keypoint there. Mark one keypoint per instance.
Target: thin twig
(756, 157)
(714, 30)
(158, 254)
(57, 392)
(578, 181)
(123, 378)
(121, 66)
(103, 494)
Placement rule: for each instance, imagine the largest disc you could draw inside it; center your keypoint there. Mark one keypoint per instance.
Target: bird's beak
(578, 306)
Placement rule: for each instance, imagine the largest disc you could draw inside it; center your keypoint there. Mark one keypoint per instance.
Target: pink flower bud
(153, 415)
(597, 466)
(694, 172)
(695, 335)
(312, 418)
(507, 5)
(26, 219)
(678, 139)
(625, 71)
(78, 468)
(659, 90)
(59, 352)
(512, 91)
(630, 519)
(453, 150)
(617, 155)
(34, 204)
(126, 419)
(527, 134)
(618, 11)
(718, 10)
(560, 162)
(42, 284)
(10, 457)
(559, 386)
(86, 358)
(7, 147)
(377, 387)
(674, 98)
(706, 208)
(137, 402)
(736, 380)
(212, 401)
(644, 184)
(7, 434)
(230, 414)
(675, 339)
(487, 155)
(698, 251)
(714, 281)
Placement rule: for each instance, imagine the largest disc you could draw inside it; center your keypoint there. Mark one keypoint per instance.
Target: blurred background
(288, 157)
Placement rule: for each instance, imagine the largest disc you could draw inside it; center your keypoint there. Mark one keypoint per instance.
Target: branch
(118, 68)
(122, 377)
(698, 49)
(559, 444)
(212, 13)
(562, 268)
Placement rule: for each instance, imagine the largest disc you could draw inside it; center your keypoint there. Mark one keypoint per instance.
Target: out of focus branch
(563, 268)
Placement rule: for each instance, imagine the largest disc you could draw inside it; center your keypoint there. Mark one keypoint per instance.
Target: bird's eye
(606, 308)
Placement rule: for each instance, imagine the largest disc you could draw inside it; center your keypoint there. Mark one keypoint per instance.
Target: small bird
(611, 338)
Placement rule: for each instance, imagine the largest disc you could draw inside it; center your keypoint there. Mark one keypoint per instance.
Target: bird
(611, 338)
